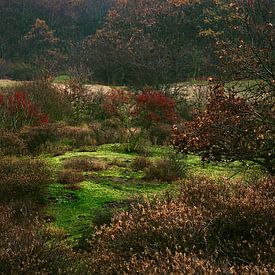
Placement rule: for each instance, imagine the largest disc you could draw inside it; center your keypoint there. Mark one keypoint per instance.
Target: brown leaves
(209, 228)
(229, 129)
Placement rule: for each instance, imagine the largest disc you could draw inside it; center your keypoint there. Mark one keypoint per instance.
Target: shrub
(154, 107)
(70, 176)
(140, 163)
(78, 136)
(51, 99)
(108, 131)
(172, 167)
(23, 177)
(231, 128)
(16, 111)
(36, 136)
(30, 249)
(147, 115)
(209, 228)
(84, 164)
(11, 143)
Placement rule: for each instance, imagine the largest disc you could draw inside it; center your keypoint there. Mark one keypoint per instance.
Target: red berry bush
(16, 111)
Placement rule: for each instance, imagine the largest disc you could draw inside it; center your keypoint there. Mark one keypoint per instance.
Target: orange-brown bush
(84, 164)
(69, 176)
(29, 249)
(209, 228)
(11, 143)
(23, 177)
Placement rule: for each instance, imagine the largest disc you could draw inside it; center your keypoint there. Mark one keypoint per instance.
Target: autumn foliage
(231, 128)
(209, 228)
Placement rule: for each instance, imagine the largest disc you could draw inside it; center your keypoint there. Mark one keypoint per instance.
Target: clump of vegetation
(85, 164)
(17, 110)
(69, 176)
(23, 177)
(140, 163)
(192, 232)
(172, 167)
(11, 143)
(49, 98)
(229, 129)
(30, 249)
(44, 138)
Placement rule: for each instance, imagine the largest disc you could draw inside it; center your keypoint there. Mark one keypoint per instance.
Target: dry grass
(69, 176)
(85, 164)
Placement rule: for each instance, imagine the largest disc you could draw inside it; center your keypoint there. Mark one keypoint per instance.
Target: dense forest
(126, 42)
(137, 137)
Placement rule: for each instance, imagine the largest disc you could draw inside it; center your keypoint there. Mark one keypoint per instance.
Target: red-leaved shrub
(16, 111)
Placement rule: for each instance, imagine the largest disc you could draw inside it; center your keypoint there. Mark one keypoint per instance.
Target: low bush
(70, 176)
(23, 177)
(187, 234)
(17, 111)
(77, 135)
(84, 164)
(140, 163)
(172, 167)
(54, 134)
(51, 99)
(30, 249)
(11, 143)
(108, 131)
(36, 137)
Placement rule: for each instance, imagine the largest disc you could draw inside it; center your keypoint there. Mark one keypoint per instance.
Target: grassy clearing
(74, 209)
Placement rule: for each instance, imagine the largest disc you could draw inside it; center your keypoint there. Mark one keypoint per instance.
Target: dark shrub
(108, 131)
(17, 110)
(22, 71)
(70, 176)
(77, 136)
(54, 134)
(37, 136)
(23, 177)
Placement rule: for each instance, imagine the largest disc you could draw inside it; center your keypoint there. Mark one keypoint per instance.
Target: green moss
(75, 210)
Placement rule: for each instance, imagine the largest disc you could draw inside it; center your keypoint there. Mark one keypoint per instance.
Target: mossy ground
(75, 209)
